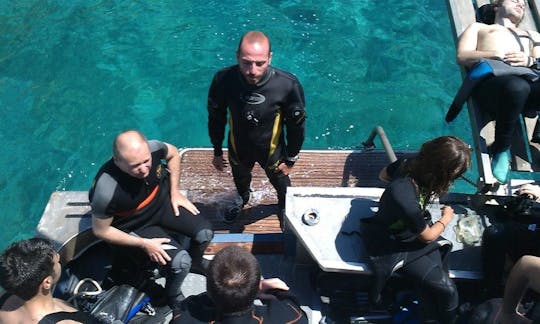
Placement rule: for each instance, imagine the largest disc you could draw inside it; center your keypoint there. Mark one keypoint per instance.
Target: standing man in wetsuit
(266, 119)
(136, 203)
(507, 96)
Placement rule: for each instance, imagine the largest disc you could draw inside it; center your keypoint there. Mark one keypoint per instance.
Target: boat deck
(311, 259)
(67, 217)
(214, 191)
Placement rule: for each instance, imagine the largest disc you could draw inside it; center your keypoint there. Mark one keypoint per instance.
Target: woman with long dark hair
(402, 237)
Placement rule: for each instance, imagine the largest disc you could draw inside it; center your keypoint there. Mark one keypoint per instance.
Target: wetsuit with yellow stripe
(266, 123)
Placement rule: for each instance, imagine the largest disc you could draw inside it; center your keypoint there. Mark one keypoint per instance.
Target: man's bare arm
(524, 274)
(384, 176)
(177, 198)
(173, 164)
(103, 229)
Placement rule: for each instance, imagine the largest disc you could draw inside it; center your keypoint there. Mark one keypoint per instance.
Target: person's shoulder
(402, 181)
(9, 317)
(477, 24)
(11, 309)
(225, 76)
(196, 309)
(395, 169)
(108, 172)
(228, 70)
(103, 186)
(64, 305)
(282, 310)
(284, 74)
(398, 185)
(107, 167)
(479, 27)
(156, 145)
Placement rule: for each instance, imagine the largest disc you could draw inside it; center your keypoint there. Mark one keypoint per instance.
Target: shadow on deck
(213, 191)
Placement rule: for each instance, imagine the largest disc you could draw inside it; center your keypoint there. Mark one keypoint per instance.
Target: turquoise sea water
(74, 73)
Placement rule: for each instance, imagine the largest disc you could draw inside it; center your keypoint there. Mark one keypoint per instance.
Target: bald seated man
(136, 203)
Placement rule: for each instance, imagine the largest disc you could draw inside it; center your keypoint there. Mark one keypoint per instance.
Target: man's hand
(269, 284)
(517, 59)
(155, 252)
(219, 163)
(529, 190)
(283, 168)
(178, 199)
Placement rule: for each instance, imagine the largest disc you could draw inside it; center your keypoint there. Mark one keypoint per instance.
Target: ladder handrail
(369, 144)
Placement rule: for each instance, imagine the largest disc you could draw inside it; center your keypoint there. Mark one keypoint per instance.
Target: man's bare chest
(503, 40)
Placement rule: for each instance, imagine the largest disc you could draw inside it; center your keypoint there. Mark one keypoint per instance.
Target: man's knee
(518, 87)
(494, 237)
(280, 181)
(491, 231)
(443, 288)
(181, 262)
(204, 236)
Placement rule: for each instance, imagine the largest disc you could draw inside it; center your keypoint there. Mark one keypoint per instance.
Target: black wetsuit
(78, 316)
(391, 239)
(258, 115)
(143, 206)
(201, 309)
(505, 98)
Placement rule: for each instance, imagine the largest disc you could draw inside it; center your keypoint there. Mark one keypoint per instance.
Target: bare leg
(524, 274)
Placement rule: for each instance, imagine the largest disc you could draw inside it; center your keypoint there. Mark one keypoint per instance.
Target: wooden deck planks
(461, 14)
(213, 191)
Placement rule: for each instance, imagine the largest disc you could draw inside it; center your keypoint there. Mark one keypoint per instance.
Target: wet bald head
(128, 140)
(254, 37)
(131, 153)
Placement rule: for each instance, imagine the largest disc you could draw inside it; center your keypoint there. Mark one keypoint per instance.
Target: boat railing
(369, 144)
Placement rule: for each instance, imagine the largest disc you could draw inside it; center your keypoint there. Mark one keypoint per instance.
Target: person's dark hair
(233, 279)
(24, 265)
(439, 162)
(254, 36)
(486, 14)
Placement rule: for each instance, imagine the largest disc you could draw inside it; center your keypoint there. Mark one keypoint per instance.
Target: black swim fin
(478, 72)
